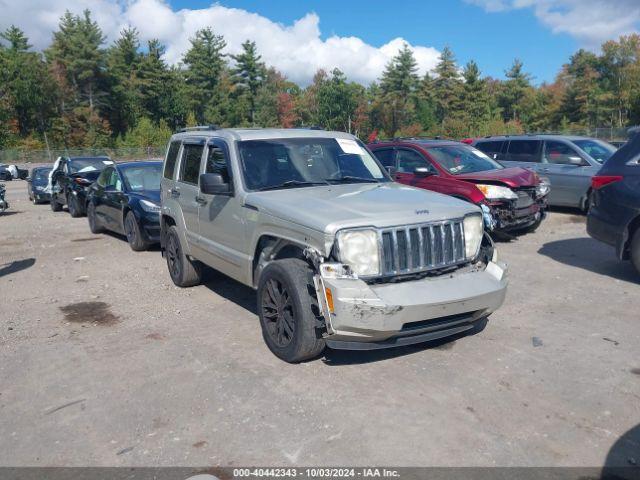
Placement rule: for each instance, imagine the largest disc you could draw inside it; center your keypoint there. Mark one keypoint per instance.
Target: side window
(524, 151)
(102, 178)
(217, 162)
(385, 157)
(113, 180)
(492, 149)
(190, 165)
(559, 152)
(172, 156)
(409, 160)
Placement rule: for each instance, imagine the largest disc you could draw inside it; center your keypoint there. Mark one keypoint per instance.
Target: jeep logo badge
(422, 212)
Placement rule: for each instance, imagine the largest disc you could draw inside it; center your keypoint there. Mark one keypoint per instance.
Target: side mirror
(422, 172)
(575, 160)
(214, 184)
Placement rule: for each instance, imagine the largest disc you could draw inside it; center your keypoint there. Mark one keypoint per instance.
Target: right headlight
(473, 233)
(359, 250)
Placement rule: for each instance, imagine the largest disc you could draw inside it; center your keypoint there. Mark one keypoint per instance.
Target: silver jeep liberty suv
(339, 254)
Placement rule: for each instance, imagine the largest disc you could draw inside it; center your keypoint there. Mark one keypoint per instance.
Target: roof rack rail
(309, 127)
(198, 128)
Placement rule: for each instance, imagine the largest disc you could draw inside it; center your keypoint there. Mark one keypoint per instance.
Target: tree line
(79, 92)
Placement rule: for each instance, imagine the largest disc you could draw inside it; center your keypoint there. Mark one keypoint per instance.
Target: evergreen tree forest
(82, 92)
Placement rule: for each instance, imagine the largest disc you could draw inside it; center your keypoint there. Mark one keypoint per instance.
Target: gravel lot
(104, 362)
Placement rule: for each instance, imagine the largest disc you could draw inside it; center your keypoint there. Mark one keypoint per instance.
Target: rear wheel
(133, 233)
(94, 226)
(635, 250)
(586, 203)
(183, 271)
(288, 312)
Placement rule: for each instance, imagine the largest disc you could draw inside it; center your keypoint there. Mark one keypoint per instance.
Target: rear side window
(172, 156)
(385, 157)
(490, 147)
(190, 167)
(524, 151)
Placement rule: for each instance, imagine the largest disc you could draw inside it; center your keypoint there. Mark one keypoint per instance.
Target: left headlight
(473, 233)
(543, 187)
(150, 207)
(359, 249)
(496, 192)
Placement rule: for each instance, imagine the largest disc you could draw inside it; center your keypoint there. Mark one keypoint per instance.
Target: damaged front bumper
(510, 215)
(360, 315)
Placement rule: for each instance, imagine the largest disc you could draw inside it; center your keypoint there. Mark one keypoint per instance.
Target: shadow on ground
(231, 290)
(9, 213)
(591, 255)
(17, 266)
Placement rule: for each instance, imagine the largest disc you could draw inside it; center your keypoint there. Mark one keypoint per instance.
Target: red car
(512, 199)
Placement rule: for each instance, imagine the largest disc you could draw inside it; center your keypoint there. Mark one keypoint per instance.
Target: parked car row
(347, 246)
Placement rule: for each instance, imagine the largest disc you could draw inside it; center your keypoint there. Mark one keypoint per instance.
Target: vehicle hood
(151, 195)
(331, 208)
(512, 177)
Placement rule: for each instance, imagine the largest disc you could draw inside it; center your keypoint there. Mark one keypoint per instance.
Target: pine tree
(249, 75)
(447, 87)
(514, 91)
(476, 100)
(398, 86)
(205, 64)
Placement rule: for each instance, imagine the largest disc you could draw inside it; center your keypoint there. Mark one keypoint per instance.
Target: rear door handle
(201, 200)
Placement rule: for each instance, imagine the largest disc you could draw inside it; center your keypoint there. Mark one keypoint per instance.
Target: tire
(183, 271)
(586, 203)
(478, 326)
(634, 250)
(75, 210)
(55, 206)
(288, 312)
(133, 233)
(94, 224)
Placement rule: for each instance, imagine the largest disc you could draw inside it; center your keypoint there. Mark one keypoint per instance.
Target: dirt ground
(104, 362)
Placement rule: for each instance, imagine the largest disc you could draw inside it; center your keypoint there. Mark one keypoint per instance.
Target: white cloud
(297, 50)
(591, 22)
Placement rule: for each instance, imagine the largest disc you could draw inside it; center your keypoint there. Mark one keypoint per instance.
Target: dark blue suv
(614, 216)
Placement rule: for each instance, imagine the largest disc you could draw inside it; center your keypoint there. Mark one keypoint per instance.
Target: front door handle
(175, 193)
(200, 200)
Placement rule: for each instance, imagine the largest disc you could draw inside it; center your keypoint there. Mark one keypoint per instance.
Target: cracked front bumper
(368, 316)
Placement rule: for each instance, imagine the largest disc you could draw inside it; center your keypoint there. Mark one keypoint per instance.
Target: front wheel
(183, 271)
(133, 233)
(288, 312)
(94, 226)
(55, 206)
(635, 250)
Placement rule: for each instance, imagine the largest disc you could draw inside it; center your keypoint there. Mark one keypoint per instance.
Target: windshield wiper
(291, 183)
(353, 179)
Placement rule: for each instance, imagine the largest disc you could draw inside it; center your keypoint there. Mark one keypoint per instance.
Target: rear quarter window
(490, 147)
(172, 156)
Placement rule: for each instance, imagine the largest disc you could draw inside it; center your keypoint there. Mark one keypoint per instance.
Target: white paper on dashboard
(349, 146)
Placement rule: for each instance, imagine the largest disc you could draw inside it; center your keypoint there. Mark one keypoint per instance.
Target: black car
(614, 216)
(71, 179)
(37, 183)
(126, 199)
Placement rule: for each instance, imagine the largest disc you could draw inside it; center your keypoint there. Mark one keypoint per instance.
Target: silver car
(340, 255)
(568, 162)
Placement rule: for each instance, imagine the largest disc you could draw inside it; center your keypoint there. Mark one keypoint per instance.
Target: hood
(152, 195)
(331, 208)
(512, 177)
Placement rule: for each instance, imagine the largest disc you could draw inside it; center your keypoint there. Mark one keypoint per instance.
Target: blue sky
(360, 37)
(492, 39)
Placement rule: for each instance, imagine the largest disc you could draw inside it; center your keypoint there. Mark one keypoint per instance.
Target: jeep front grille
(418, 248)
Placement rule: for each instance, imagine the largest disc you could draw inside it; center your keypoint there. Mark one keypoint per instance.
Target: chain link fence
(603, 133)
(22, 156)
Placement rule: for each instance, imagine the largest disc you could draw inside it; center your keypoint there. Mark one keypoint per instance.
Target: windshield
(142, 177)
(41, 175)
(458, 159)
(299, 162)
(599, 151)
(80, 165)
